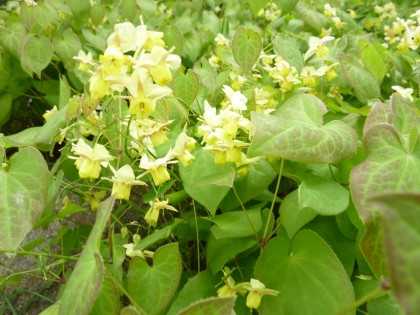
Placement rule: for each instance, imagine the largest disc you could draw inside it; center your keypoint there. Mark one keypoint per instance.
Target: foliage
(241, 156)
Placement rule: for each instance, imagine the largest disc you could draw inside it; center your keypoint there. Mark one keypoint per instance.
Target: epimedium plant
(240, 157)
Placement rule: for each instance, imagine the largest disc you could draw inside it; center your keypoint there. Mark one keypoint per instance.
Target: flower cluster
(220, 130)
(270, 12)
(135, 68)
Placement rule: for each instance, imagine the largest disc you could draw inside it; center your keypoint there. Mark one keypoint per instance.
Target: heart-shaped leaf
(308, 274)
(296, 132)
(85, 282)
(402, 239)
(186, 86)
(323, 195)
(153, 287)
(246, 48)
(392, 165)
(36, 54)
(205, 181)
(237, 223)
(23, 194)
(364, 84)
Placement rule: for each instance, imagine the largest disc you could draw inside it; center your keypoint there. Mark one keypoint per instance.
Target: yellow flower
(152, 215)
(89, 160)
(123, 179)
(256, 291)
(159, 62)
(230, 288)
(158, 169)
(183, 147)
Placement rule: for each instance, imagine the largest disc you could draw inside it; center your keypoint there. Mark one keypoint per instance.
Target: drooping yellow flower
(152, 215)
(182, 150)
(89, 160)
(159, 62)
(158, 168)
(123, 179)
(256, 291)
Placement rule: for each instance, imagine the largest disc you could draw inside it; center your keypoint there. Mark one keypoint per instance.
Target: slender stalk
(274, 199)
(48, 255)
(246, 213)
(124, 291)
(198, 237)
(371, 295)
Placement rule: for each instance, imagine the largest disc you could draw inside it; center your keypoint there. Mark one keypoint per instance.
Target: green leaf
(246, 48)
(158, 235)
(186, 86)
(12, 37)
(296, 132)
(237, 223)
(223, 250)
(41, 137)
(286, 5)
(308, 274)
(363, 83)
(36, 54)
(323, 195)
(67, 46)
(372, 60)
(23, 195)
(5, 107)
(108, 300)
(214, 305)
(292, 216)
(52, 310)
(201, 286)
(65, 92)
(153, 287)
(256, 6)
(402, 243)
(288, 49)
(130, 10)
(249, 186)
(205, 181)
(85, 282)
(391, 165)
(344, 248)
(310, 16)
(384, 305)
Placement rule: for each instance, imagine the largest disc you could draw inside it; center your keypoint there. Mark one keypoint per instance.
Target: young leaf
(186, 86)
(402, 240)
(36, 54)
(85, 282)
(205, 181)
(296, 132)
(23, 195)
(153, 287)
(308, 274)
(246, 48)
